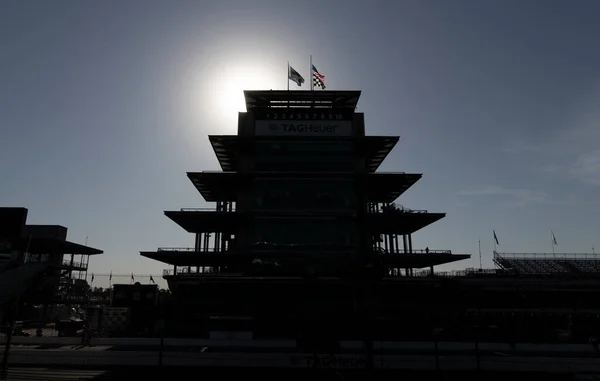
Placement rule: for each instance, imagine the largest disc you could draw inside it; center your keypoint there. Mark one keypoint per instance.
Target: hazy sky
(104, 106)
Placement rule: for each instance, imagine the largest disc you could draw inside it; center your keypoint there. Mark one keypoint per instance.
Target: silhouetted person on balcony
(427, 250)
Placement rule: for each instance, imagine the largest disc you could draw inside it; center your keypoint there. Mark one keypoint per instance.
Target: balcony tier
(224, 186)
(201, 220)
(401, 221)
(399, 259)
(228, 147)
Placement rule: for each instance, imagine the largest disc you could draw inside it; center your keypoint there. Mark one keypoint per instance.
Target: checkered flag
(318, 79)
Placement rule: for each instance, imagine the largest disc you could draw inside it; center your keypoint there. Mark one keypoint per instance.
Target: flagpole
(494, 242)
(312, 87)
(288, 78)
(552, 243)
(480, 266)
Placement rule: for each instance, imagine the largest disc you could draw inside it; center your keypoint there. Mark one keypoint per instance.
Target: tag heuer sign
(303, 128)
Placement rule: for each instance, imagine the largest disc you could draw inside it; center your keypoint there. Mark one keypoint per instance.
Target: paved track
(102, 357)
(107, 352)
(51, 374)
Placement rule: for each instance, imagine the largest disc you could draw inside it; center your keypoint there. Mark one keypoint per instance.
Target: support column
(205, 243)
(197, 242)
(410, 249)
(407, 249)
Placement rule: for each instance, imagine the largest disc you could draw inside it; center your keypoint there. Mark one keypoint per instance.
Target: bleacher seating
(576, 265)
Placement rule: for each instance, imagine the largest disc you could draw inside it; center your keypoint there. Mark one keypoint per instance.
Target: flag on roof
(295, 76)
(318, 78)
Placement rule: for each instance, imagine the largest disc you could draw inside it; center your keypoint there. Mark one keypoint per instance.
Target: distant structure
(39, 265)
(302, 220)
(554, 265)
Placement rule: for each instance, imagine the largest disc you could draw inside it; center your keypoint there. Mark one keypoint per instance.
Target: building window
(305, 231)
(304, 194)
(304, 156)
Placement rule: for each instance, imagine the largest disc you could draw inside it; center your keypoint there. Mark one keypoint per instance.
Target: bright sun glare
(228, 98)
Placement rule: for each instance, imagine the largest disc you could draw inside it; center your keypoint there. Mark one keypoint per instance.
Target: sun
(216, 92)
(229, 85)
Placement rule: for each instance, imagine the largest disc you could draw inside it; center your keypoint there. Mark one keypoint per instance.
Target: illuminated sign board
(303, 122)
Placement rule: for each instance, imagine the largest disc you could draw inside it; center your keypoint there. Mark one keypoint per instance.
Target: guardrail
(557, 256)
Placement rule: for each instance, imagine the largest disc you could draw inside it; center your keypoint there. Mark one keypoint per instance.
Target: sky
(105, 105)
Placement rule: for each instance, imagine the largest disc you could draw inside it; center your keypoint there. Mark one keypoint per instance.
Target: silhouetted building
(304, 229)
(39, 263)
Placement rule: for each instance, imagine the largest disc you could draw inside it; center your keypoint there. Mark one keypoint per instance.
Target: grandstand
(584, 265)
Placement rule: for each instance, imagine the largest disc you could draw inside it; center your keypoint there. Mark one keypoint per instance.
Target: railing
(471, 272)
(204, 210)
(77, 265)
(71, 297)
(177, 249)
(224, 210)
(184, 271)
(420, 251)
(548, 256)
(276, 246)
(190, 250)
(399, 211)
